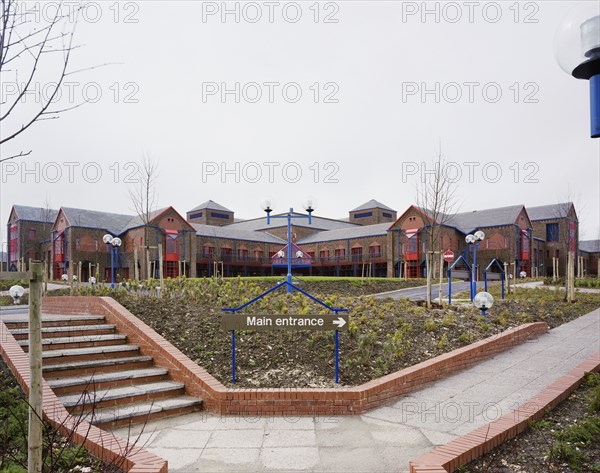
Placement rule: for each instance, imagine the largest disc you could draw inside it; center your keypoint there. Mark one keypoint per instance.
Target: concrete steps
(139, 413)
(65, 343)
(96, 373)
(97, 381)
(16, 321)
(113, 397)
(71, 331)
(103, 365)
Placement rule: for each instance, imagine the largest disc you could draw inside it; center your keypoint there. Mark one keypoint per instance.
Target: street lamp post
(112, 243)
(474, 241)
(309, 206)
(577, 50)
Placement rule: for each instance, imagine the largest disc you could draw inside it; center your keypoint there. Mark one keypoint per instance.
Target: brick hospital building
(373, 239)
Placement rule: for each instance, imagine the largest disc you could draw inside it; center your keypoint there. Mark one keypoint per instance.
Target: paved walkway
(385, 439)
(420, 292)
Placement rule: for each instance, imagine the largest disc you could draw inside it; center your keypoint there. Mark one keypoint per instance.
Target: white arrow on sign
(339, 322)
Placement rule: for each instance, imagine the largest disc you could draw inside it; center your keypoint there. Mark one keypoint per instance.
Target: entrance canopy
(300, 259)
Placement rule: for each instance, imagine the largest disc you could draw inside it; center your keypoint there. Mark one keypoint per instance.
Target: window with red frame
(171, 243)
(14, 243)
(356, 253)
(258, 254)
(208, 250)
(324, 254)
(32, 234)
(58, 244)
(242, 254)
(340, 252)
(375, 250)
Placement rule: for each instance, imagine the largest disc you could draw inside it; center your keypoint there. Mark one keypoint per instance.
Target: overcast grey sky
(381, 85)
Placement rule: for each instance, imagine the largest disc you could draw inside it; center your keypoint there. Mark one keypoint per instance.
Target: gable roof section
(590, 246)
(549, 212)
(372, 204)
(318, 223)
(235, 234)
(211, 205)
(468, 221)
(35, 214)
(136, 220)
(113, 223)
(361, 231)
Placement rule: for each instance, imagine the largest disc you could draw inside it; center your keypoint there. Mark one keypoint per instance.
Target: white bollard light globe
(309, 204)
(479, 235)
(470, 239)
(578, 36)
(483, 300)
(267, 204)
(64, 277)
(16, 292)
(116, 241)
(92, 280)
(107, 239)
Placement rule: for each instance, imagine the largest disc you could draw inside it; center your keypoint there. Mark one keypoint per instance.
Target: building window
(14, 243)
(356, 253)
(171, 242)
(387, 215)
(196, 215)
(218, 215)
(552, 232)
(311, 254)
(32, 234)
(340, 252)
(557, 253)
(363, 215)
(208, 251)
(375, 250)
(258, 254)
(242, 253)
(324, 254)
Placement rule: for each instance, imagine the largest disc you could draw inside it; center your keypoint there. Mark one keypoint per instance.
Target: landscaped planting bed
(384, 335)
(566, 440)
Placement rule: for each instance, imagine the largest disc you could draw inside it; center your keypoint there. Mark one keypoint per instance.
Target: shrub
(430, 325)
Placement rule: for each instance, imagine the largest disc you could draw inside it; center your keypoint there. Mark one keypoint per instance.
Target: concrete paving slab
(229, 459)
(290, 438)
(180, 459)
(290, 458)
(234, 438)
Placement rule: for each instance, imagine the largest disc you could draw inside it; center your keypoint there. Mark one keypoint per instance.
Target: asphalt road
(11, 310)
(419, 293)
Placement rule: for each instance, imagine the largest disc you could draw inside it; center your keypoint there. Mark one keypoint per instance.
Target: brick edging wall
(459, 452)
(289, 401)
(103, 445)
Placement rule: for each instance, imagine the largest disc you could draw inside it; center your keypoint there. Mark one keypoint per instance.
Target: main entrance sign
(284, 322)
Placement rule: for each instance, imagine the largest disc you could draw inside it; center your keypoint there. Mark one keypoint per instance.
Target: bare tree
(566, 215)
(144, 198)
(24, 46)
(436, 197)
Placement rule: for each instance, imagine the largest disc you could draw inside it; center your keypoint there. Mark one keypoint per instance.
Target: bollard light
(16, 292)
(483, 301)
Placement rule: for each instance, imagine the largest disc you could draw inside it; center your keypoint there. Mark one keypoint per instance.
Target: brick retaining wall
(289, 401)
